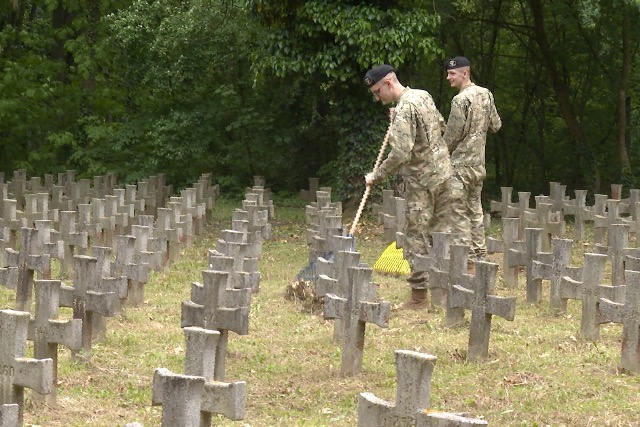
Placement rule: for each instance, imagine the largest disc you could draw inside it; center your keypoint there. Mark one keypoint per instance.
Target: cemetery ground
(539, 371)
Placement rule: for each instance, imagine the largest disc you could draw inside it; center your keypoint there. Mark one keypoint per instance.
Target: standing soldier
(473, 113)
(419, 153)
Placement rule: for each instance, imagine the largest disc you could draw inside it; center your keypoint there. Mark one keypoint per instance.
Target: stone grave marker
(437, 259)
(551, 223)
(333, 275)
(136, 274)
(508, 209)
(87, 300)
(600, 218)
(11, 222)
(483, 305)
(180, 397)
(173, 235)
(191, 399)
(48, 332)
(552, 266)
(413, 397)
(106, 283)
(524, 252)
(9, 415)
(17, 371)
(618, 238)
(28, 261)
(310, 194)
(589, 291)
(356, 310)
(455, 274)
(44, 244)
(510, 229)
(216, 305)
(223, 398)
(75, 242)
(628, 314)
(581, 213)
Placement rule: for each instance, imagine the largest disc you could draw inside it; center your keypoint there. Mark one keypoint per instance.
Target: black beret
(457, 62)
(375, 74)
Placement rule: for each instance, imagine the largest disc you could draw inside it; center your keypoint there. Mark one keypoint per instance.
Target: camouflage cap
(457, 62)
(375, 74)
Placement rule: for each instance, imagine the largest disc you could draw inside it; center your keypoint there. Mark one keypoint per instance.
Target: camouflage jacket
(473, 113)
(418, 150)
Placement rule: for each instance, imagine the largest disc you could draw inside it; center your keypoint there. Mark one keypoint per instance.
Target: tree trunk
(625, 73)
(562, 95)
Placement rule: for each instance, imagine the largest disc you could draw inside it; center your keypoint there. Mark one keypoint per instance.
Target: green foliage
(273, 87)
(329, 45)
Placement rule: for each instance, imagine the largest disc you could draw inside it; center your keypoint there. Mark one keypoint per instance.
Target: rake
(309, 273)
(392, 261)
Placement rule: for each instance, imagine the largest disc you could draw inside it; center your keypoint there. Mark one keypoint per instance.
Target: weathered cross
(86, 299)
(552, 266)
(18, 372)
(413, 395)
(510, 230)
(629, 315)
(356, 310)
(47, 332)
(483, 305)
(589, 291)
(216, 305)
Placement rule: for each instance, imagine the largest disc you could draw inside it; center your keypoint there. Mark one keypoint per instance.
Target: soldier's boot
(471, 267)
(417, 300)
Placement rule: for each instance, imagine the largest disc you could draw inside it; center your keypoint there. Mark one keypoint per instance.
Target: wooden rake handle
(367, 190)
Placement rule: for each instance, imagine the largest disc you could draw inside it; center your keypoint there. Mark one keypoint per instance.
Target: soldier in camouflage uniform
(419, 154)
(473, 113)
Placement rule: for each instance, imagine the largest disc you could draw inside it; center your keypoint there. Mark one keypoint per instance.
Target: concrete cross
(44, 244)
(86, 299)
(356, 310)
(524, 252)
(629, 315)
(28, 261)
(413, 394)
(618, 238)
(9, 415)
(437, 259)
(47, 331)
(136, 274)
(223, 398)
(74, 241)
(510, 230)
(509, 209)
(333, 275)
(310, 194)
(455, 274)
(589, 290)
(551, 223)
(215, 305)
(18, 372)
(483, 305)
(552, 266)
(581, 213)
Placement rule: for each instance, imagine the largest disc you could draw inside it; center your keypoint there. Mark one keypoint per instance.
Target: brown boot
(471, 268)
(417, 301)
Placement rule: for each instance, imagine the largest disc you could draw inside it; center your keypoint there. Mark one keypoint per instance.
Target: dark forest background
(273, 88)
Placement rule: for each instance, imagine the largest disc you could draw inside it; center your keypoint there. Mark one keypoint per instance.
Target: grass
(539, 371)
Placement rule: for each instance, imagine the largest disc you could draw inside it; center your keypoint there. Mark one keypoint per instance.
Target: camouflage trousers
(467, 218)
(428, 211)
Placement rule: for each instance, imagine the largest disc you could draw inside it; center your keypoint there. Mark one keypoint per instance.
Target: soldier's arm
(401, 139)
(495, 123)
(455, 125)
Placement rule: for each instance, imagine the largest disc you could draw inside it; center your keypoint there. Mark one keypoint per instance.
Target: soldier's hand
(368, 178)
